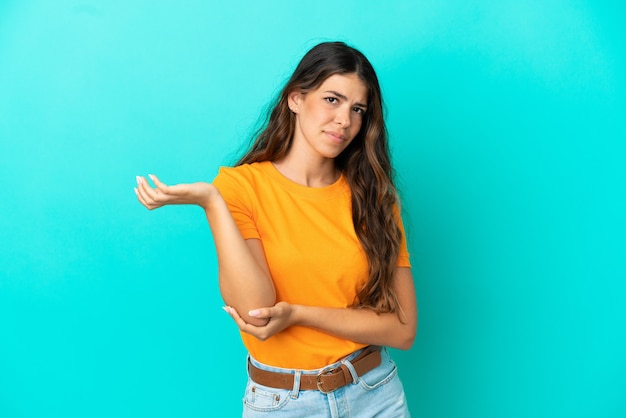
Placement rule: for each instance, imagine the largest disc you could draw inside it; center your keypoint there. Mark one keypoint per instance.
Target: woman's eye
(331, 99)
(359, 110)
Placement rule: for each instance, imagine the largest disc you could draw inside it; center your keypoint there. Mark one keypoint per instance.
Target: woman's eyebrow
(343, 97)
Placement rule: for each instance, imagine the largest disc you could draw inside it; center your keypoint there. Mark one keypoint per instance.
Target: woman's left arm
(356, 324)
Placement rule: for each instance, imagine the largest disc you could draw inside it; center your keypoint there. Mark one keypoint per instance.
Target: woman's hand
(280, 317)
(201, 194)
(244, 277)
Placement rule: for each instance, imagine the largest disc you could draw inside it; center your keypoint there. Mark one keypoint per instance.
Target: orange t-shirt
(312, 251)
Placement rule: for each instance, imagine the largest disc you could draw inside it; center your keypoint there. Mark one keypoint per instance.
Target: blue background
(507, 122)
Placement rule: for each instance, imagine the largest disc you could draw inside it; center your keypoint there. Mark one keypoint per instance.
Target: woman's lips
(335, 137)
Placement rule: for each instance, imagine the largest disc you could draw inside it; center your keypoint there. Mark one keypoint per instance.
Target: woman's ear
(294, 98)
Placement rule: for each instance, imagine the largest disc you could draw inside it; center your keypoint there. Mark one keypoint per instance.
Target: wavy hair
(365, 163)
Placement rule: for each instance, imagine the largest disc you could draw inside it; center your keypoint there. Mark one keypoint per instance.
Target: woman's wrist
(298, 314)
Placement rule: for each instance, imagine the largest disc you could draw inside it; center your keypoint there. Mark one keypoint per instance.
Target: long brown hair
(365, 163)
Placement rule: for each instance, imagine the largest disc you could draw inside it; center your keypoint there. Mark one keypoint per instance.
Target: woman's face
(329, 117)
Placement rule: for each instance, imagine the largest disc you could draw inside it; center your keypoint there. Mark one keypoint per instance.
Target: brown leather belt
(326, 381)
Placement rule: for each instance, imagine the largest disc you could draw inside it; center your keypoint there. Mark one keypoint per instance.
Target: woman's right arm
(243, 274)
(244, 279)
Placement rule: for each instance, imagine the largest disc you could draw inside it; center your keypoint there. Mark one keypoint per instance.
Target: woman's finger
(140, 197)
(140, 191)
(148, 196)
(261, 313)
(235, 315)
(160, 186)
(143, 186)
(261, 333)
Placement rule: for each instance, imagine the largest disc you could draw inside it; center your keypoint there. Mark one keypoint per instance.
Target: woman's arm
(359, 325)
(243, 273)
(244, 278)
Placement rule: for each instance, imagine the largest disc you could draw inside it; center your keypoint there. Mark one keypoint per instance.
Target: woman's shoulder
(251, 173)
(245, 170)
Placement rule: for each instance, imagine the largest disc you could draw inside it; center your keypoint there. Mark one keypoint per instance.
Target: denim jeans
(378, 393)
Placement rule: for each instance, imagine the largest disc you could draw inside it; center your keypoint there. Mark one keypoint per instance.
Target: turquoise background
(507, 122)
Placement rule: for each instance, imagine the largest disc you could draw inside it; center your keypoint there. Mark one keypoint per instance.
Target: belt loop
(353, 373)
(296, 385)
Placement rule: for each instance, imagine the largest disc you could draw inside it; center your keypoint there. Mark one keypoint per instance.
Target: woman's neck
(308, 173)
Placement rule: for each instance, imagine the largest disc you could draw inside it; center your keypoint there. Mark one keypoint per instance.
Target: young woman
(313, 262)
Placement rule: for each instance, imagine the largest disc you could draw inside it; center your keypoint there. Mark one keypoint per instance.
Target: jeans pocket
(381, 375)
(263, 398)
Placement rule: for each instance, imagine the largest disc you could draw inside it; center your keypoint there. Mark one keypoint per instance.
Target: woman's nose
(342, 117)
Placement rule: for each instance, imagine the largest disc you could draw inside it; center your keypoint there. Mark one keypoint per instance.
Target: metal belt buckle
(324, 372)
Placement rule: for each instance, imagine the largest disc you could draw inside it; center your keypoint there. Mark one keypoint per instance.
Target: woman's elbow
(243, 307)
(406, 342)
(257, 322)
(406, 337)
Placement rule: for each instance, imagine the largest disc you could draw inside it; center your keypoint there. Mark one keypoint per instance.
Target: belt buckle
(318, 381)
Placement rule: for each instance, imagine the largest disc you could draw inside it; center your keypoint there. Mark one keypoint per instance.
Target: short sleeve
(240, 198)
(403, 255)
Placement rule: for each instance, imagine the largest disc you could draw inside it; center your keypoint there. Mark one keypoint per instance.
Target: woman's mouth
(335, 137)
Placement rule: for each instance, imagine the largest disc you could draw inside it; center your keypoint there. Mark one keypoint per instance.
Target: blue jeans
(378, 393)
